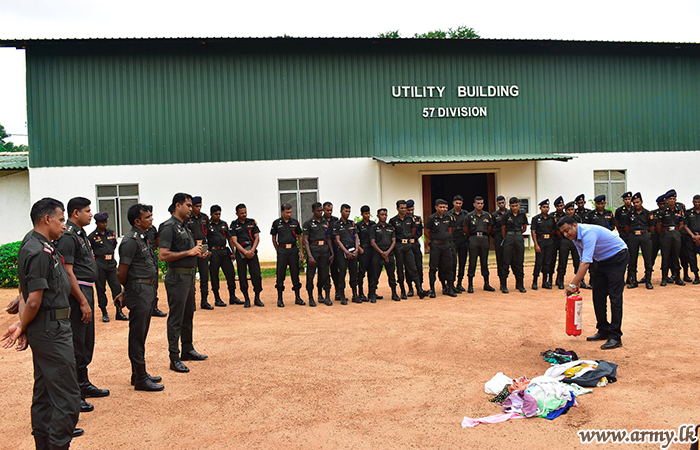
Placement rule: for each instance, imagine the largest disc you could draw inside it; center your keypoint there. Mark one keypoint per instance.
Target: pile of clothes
(549, 395)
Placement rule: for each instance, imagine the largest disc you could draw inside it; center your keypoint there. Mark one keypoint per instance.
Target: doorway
(468, 185)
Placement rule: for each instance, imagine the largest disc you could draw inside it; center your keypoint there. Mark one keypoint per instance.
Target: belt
(287, 245)
(515, 233)
(86, 283)
(479, 233)
(408, 241)
(53, 314)
(440, 241)
(217, 248)
(318, 242)
(107, 257)
(668, 228)
(143, 280)
(183, 270)
(544, 236)
(638, 232)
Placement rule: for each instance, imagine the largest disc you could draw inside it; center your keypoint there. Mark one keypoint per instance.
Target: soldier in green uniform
(404, 226)
(669, 225)
(366, 251)
(138, 273)
(382, 237)
(179, 249)
(198, 224)
(692, 228)
(514, 225)
(285, 232)
(218, 237)
(45, 325)
(638, 229)
(460, 241)
(543, 229)
(317, 241)
(416, 246)
(438, 229)
(104, 242)
(152, 236)
(80, 263)
(347, 242)
(478, 226)
(497, 217)
(245, 238)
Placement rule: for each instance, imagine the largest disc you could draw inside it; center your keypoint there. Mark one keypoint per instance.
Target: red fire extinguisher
(574, 306)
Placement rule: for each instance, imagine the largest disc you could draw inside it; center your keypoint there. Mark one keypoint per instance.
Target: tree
(7, 146)
(461, 32)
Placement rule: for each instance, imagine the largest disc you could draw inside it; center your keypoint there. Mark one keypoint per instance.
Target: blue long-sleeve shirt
(596, 243)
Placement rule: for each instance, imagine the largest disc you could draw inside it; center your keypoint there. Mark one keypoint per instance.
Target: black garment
(334, 265)
(405, 259)
(220, 258)
(416, 247)
(479, 241)
(56, 398)
(497, 217)
(544, 228)
(605, 219)
(383, 236)
(287, 233)
(321, 255)
(442, 258)
(460, 243)
(199, 226)
(514, 245)
(692, 222)
(75, 248)
(655, 236)
(581, 215)
(364, 266)
(173, 235)
(218, 234)
(622, 219)
(439, 227)
(103, 246)
(245, 234)
(347, 231)
(566, 248)
(609, 281)
(152, 236)
(670, 220)
(639, 238)
(363, 230)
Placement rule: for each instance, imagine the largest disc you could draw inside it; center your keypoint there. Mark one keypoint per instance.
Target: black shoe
(598, 337)
(364, 298)
(410, 292)
(379, 297)
(178, 366)
(299, 302)
(459, 288)
(246, 303)
(611, 343)
(235, 301)
(206, 305)
(421, 293)
(470, 289)
(85, 406)
(432, 293)
(153, 379)
(105, 317)
(403, 296)
(280, 303)
(258, 302)
(77, 432)
(631, 285)
(337, 297)
(489, 288)
(372, 298)
(147, 384)
(312, 303)
(193, 355)
(680, 282)
(219, 302)
(663, 282)
(328, 301)
(89, 390)
(583, 285)
(522, 289)
(649, 285)
(356, 299)
(120, 315)
(534, 285)
(687, 279)
(158, 313)
(697, 279)
(450, 292)
(343, 301)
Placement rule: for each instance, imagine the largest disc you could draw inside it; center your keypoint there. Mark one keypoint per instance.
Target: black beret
(638, 195)
(570, 205)
(661, 198)
(580, 197)
(671, 193)
(559, 201)
(410, 203)
(600, 198)
(171, 208)
(101, 217)
(196, 200)
(627, 194)
(544, 202)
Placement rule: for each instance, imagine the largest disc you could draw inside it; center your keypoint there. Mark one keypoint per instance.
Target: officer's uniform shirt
(152, 236)
(199, 226)
(75, 248)
(402, 227)
(40, 266)
(458, 232)
(514, 223)
(245, 232)
(639, 221)
(331, 221)
(606, 219)
(347, 232)
(137, 253)
(622, 216)
(178, 238)
(218, 234)
(692, 220)
(382, 235)
(286, 232)
(478, 223)
(440, 226)
(103, 244)
(316, 230)
(497, 217)
(363, 230)
(582, 215)
(417, 226)
(671, 217)
(542, 226)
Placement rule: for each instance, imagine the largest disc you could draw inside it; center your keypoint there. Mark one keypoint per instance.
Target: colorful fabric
(468, 422)
(501, 396)
(563, 410)
(522, 403)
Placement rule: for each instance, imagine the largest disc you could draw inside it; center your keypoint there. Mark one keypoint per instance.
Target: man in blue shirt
(596, 243)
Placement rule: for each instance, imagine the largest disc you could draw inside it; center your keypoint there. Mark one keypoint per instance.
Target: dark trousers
(637, 242)
(139, 298)
(461, 248)
(377, 263)
(251, 266)
(566, 248)
(406, 263)
(670, 252)
(83, 333)
(441, 259)
(180, 289)
(609, 281)
(479, 248)
(655, 247)
(288, 257)
(106, 274)
(418, 257)
(689, 247)
(500, 261)
(364, 266)
(203, 269)
(344, 266)
(333, 270)
(544, 260)
(514, 256)
(321, 255)
(221, 259)
(56, 397)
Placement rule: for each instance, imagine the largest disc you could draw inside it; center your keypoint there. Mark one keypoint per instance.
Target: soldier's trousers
(251, 266)
(479, 248)
(56, 397)
(670, 252)
(635, 243)
(221, 259)
(498, 247)
(344, 266)
(139, 298)
(441, 259)
(377, 264)
(333, 269)
(461, 248)
(609, 281)
(364, 266)
(655, 247)
(686, 249)
(83, 333)
(106, 274)
(514, 255)
(566, 248)
(692, 254)
(321, 255)
(406, 263)
(287, 257)
(544, 260)
(203, 269)
(180, 289)
(418, 257)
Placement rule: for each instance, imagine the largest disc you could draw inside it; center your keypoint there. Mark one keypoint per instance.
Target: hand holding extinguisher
(574, 307)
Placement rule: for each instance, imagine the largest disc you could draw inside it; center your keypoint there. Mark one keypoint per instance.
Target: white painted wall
(14, 202)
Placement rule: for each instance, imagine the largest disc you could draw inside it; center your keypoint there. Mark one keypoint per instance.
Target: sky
(599, 20)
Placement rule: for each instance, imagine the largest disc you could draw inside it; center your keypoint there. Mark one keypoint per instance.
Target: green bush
(8, 264)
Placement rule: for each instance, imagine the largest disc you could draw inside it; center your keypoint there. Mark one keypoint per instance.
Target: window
(301, 193)
(612, 184)
(115, 200)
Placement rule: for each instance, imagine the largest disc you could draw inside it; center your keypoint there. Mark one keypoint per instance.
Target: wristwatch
(573, 286)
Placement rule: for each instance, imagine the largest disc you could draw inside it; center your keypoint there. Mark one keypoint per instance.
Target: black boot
(360, 288)
(487, 286)
(328, 301)
(686, 278)
(504, 285)
(450, 290)
(256, 300)
(372, 296)
(204, 304)
(343, 298)
(67, 446)
(280, 302)
(647, 281)
(697, 279)
(632, 281)
(120, 315)
(246, 300)
(143, 382)
(218, 301)
(410, 292)
(534, 282)
(421, 293)
(233, 300)
(520, 285)
(157, 312)
(459, 288)
(560, 281)
(355, 298)
(403, 291)
(297, 298)
(312, 303)
(432, 290)
(394, 295)
(547, 284)
(470, 286)
(87, 389)
(679, 281)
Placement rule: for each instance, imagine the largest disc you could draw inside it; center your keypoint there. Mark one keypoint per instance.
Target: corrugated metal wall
(176, 108)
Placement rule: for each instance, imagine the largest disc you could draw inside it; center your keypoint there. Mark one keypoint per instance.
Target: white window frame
(612, 202)
(116, 221)
(298, 213)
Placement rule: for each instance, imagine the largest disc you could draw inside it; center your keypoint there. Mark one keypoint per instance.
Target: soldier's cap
(671, 193)
(101, 217)
(661, 198)
(500, 197)
(544, 202)
(410, 203)
(196, 200)
(150, 208)
(570, 205)
(580, 197)
(559, 201)
(364, 209)
(600, 198)
(513, 200)
(638, 195)
(171, 208)
(627, 194)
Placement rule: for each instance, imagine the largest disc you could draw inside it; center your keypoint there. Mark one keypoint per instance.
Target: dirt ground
(390, 375)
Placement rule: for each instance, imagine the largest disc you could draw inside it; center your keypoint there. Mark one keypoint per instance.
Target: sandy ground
(391, 375)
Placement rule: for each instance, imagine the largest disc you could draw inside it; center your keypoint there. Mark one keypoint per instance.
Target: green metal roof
(468, 158)
(13, 161)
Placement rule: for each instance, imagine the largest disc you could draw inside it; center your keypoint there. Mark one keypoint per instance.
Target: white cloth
(557, 371)
(495, 385)
(548, 391)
